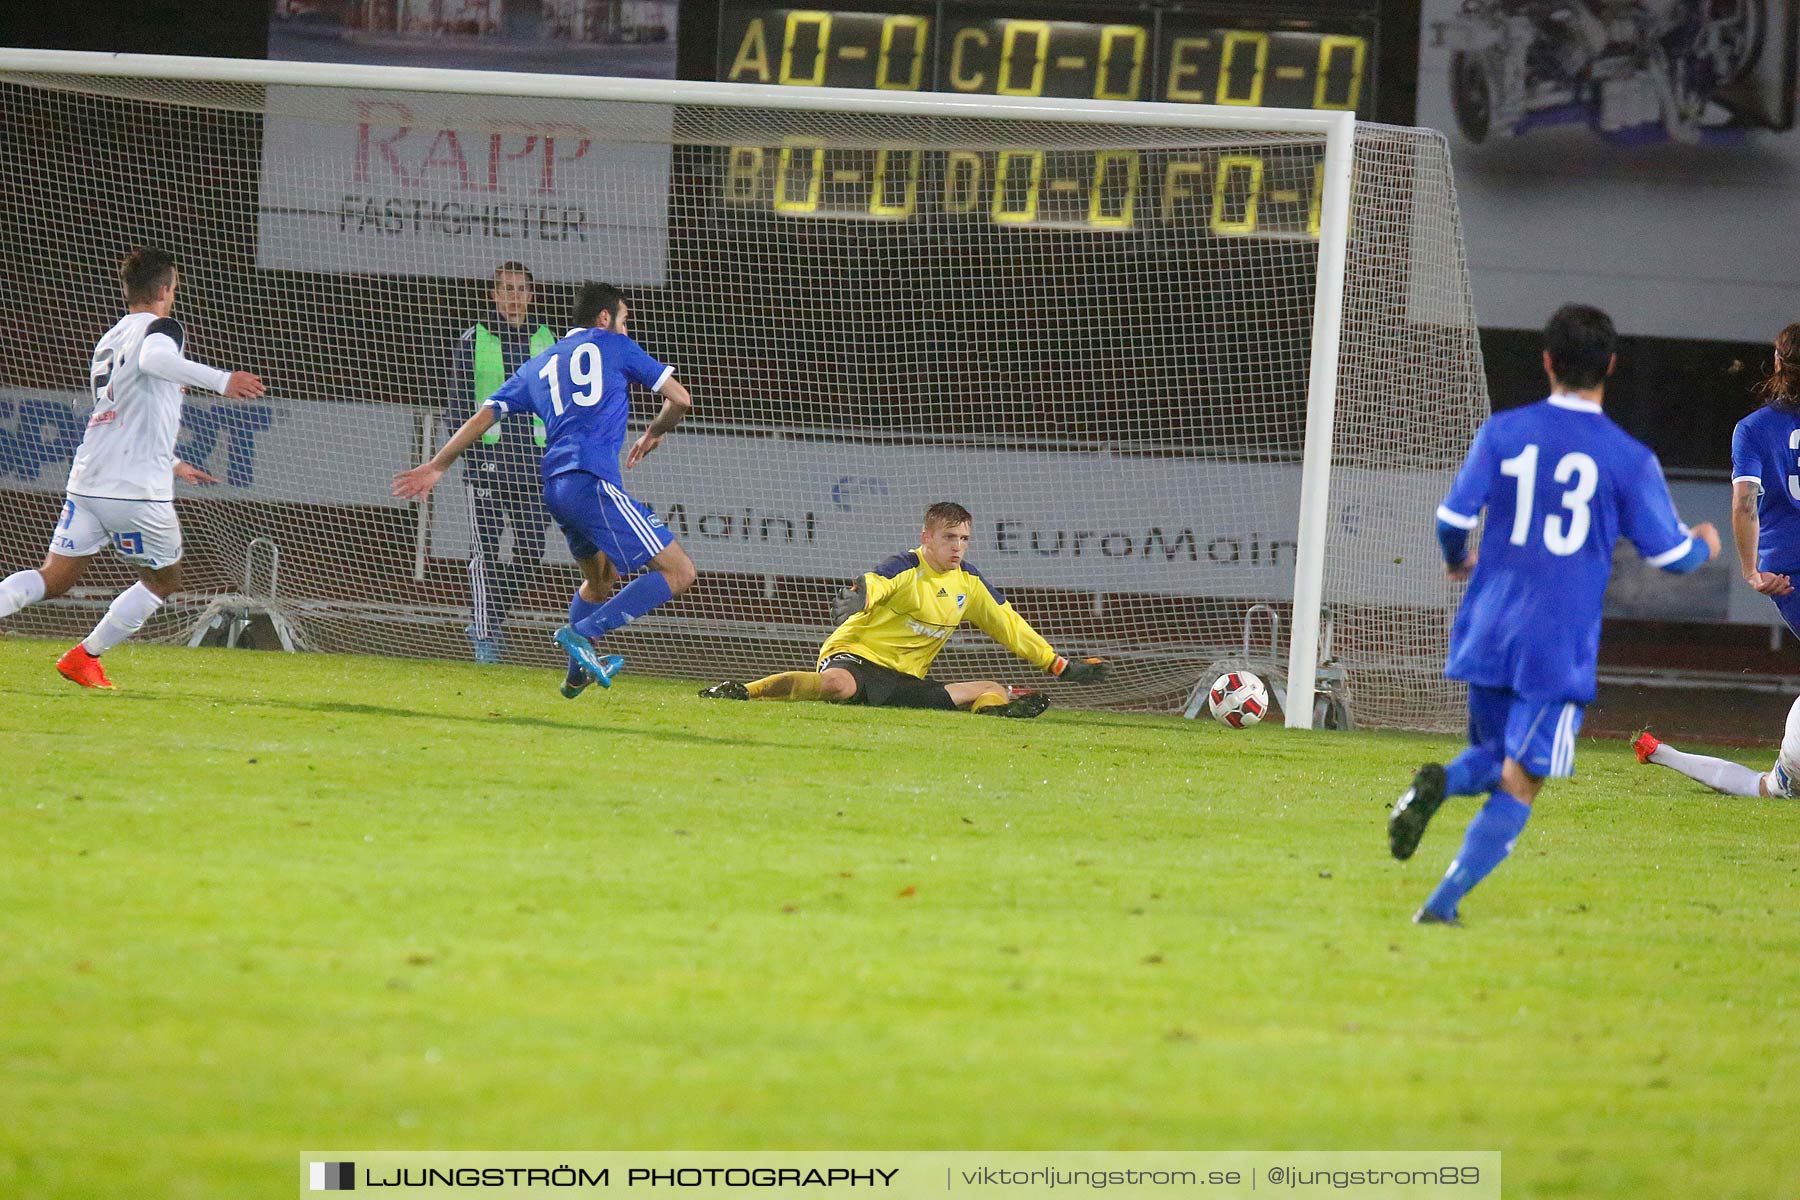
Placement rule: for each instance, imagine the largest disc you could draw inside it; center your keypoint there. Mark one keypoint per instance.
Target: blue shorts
(1538, 735)
(598, 517)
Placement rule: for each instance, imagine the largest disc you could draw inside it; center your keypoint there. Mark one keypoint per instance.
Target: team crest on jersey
(960, 597)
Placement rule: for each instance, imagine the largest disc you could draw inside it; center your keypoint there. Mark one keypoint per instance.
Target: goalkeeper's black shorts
(883, 687)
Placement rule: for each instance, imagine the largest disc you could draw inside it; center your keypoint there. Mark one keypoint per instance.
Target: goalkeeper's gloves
(848, 603)
(1081, 670)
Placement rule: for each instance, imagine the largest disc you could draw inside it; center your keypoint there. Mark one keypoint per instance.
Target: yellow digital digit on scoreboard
(793, 29)
(1007, 171)
(812, 177)
(1137, 38)
(916, 29)
(1012, 32)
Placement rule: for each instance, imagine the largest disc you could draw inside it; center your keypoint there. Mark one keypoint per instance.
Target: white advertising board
(1059, 519)
(391, 183)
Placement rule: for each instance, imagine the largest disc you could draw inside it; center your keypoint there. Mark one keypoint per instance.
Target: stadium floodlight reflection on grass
(1199, 371)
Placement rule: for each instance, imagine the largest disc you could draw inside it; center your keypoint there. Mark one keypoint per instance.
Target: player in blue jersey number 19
(1560, 484)
(580, 388)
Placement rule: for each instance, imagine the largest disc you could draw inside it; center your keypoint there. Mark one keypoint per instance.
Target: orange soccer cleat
(1645, 745)
(78, 666)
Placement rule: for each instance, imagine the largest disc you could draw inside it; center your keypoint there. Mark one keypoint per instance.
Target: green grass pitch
(253, 903)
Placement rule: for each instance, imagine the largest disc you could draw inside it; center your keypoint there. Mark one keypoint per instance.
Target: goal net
(1093, 326)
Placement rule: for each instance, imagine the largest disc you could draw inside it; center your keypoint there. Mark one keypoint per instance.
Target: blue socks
(579, 611)
(648, 591)
(1485, 846)
(1472, 773)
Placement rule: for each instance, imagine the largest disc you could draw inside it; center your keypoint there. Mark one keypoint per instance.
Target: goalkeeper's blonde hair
(946, 513)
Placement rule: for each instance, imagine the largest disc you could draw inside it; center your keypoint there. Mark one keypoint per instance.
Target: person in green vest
(502, 471)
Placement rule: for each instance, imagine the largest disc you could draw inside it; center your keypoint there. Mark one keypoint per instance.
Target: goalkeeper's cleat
(1414, 810)
(601, 666)
(576, 681)
(1645, 745)
(78, 666)
(729, 690)
(1426, 917)
(1024, 703)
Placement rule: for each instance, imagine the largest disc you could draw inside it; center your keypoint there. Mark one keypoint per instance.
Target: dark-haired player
(121, 486)
(1765, 525)
(580, 388)
(1765, 484)
(1560, 484)
(896, 618)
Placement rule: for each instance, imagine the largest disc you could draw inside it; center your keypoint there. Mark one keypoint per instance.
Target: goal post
(1200, 371)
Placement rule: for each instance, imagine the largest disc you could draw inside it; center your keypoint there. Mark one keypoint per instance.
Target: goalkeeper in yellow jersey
(896, 618)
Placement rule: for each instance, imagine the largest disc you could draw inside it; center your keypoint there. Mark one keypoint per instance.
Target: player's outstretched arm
(417, 483)
(161, 356)
(1000, 621)
(678, 402)
(1746, 530)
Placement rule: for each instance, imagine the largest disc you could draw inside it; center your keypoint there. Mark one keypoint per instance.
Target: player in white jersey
(121, 487)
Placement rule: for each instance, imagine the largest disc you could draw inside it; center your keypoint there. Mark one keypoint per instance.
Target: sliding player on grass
(896, 618)
(1723, 775)
(1560, 484)
(1765, 525)
(121, 486)
(581, 389)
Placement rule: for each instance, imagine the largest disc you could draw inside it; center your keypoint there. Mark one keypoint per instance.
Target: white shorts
(142, 531)
(1784, 778)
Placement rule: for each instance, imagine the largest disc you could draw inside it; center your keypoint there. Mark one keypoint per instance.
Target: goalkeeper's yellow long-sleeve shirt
(911, 611)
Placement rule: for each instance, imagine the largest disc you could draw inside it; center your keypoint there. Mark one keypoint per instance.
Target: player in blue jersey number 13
(1560, 484)
(580, 388)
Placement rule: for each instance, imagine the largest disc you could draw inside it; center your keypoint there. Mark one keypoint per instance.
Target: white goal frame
(1337, 129)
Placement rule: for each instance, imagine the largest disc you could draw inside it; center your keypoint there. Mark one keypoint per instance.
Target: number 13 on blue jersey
(1559, 538)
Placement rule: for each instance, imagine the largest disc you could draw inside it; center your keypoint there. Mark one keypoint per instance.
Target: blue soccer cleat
(576, 682)
(601, 667)
(580, 678)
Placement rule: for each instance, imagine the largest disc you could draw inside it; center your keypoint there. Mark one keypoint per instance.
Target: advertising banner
(393, 183)
(1639, 156)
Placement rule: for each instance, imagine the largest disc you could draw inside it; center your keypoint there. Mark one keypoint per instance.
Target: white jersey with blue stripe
(1560, 484)
(581, 388)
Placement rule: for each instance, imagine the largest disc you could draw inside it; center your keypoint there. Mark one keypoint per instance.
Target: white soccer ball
(1238, 699)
